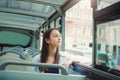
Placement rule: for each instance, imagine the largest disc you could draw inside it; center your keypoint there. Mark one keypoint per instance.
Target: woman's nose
(59, 38)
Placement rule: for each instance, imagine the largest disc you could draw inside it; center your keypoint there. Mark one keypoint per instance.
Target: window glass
(78, 32)
(58, 22)
(108, 45)
(14, 38)
(52, 24)
(105, 3)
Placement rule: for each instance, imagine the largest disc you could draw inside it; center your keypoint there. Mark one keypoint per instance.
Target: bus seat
(23, 75)
(17, 50)
(15, 54)
(4, 48)
(32, 51)
(18, 75)
(8, 57)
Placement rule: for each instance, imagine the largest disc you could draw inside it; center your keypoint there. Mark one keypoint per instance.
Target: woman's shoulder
(63, 54)
(63, 57)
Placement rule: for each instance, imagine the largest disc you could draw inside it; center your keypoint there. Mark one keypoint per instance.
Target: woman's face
(55, 38)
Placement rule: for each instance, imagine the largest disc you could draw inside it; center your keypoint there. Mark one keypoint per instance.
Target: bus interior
(23, 22)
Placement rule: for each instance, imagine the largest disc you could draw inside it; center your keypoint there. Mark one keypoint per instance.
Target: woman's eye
(56, 36)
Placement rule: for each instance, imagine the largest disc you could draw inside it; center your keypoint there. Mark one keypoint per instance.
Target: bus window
(107, 31)
(78, 32)
(108, 56)
(114, 51)
(118, 60)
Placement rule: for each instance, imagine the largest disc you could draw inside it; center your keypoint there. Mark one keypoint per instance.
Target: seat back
(23, 75)
(12, 75)
(14, 57)
(15, 54)
(16, 50)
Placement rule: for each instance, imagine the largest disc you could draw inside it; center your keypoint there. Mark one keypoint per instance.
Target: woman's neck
(51, 55)
(52, 51)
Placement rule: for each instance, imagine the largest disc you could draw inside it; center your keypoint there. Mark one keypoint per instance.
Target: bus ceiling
(32, 14)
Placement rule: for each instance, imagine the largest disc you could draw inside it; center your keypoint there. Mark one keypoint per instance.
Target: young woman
(50, 51)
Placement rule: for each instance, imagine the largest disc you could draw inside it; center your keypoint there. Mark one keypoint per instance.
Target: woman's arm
(66, 60)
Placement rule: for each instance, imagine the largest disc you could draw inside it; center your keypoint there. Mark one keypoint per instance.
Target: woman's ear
(47, 40)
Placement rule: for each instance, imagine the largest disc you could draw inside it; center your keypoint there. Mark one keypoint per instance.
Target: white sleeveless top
(62, 60)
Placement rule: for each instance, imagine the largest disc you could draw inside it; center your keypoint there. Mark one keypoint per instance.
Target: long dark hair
(45, 48)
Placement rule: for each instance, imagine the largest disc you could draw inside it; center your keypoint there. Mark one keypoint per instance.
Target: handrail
(6, 63)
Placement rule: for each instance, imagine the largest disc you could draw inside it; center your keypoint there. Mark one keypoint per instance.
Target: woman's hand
(67, 63)
(70, 61)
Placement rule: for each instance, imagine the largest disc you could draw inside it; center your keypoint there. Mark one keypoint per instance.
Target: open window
(107, 40)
